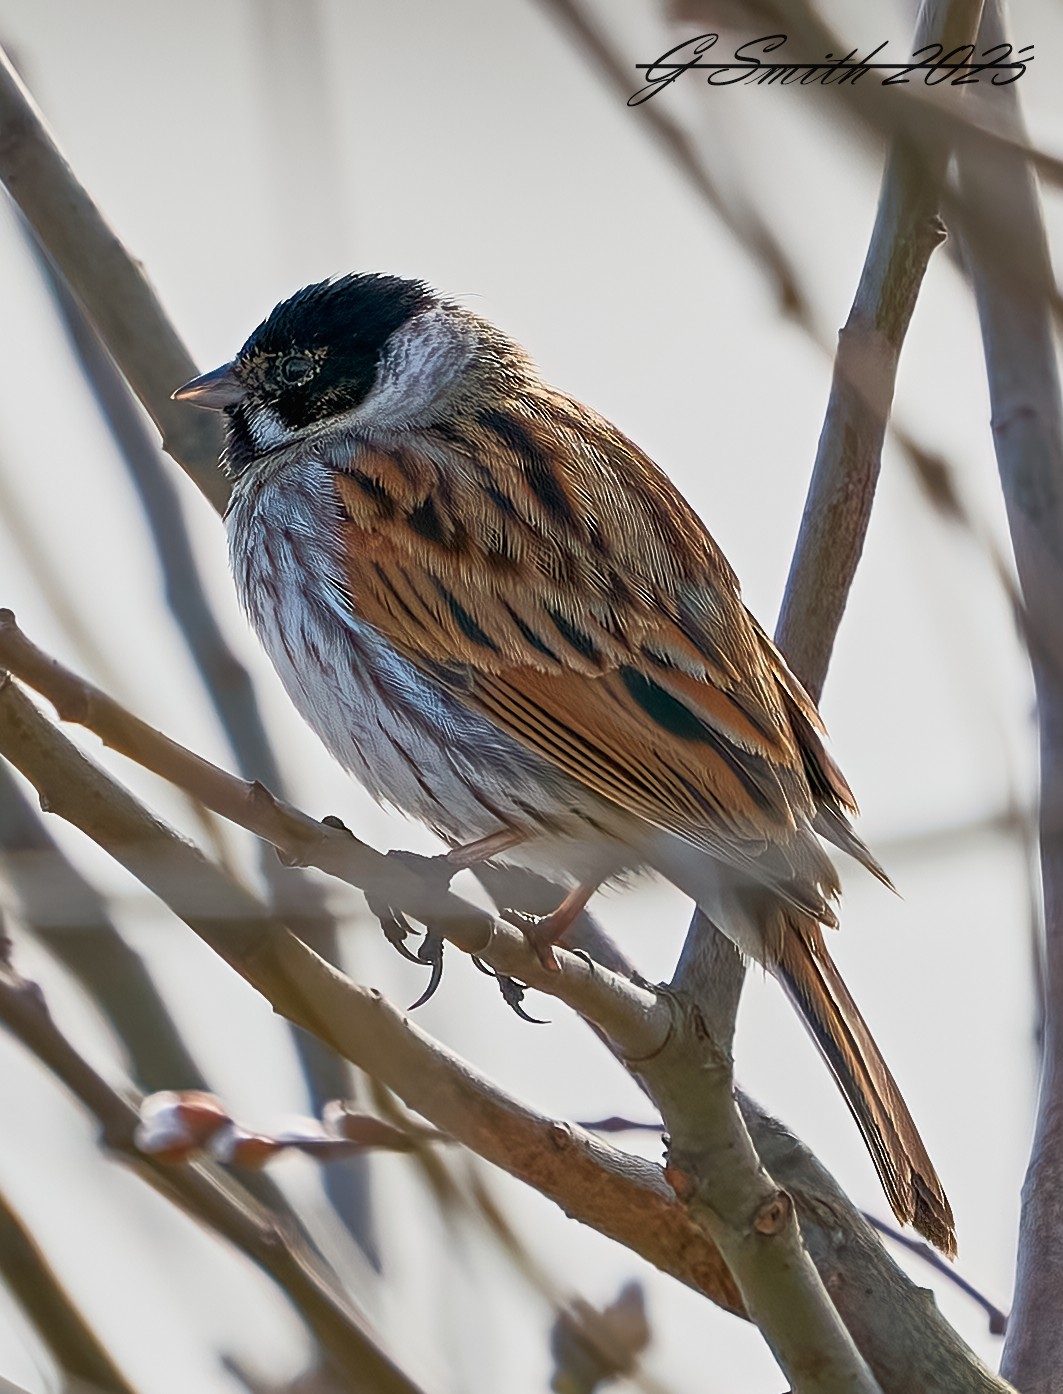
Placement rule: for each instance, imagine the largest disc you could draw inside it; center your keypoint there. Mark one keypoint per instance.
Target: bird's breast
(410, 743)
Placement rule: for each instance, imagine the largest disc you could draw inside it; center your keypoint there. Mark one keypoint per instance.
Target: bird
(504, 620)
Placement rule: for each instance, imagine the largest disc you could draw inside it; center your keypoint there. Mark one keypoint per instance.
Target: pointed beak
(215, 391)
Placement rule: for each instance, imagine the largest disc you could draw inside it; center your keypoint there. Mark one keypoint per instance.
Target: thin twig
(212, 1198)
(1024, 391)
(69, 916)
(838, 507)
(77, 1350)
(111, 286)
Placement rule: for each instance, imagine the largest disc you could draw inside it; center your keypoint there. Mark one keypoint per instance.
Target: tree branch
(715, 1169)
(75, 1347)
(111, 286)
(295, 897)
(1024, 391)
(69, 917)
(838, 507)
(212, 1198)
(623, 1197)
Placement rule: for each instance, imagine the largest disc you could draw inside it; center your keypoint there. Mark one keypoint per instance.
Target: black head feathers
(317, 353)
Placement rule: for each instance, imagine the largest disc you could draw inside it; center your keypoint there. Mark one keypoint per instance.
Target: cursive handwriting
(753, 63)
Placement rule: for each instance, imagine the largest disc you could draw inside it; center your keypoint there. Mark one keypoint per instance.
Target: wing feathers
(536, 564)
(561, 585)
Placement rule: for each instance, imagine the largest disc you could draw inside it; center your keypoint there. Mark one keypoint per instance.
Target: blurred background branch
(211, 1198)
(1024, 389)
(111, 286)
(69, 916)
(293, 895)
(840, 496)
(82, 1359)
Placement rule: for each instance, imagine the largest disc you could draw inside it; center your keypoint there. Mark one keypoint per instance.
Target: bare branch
(715, 1169)
(68, 916)
(77, 1350)
(623, 1197)
(294, 895)
(212, 1198)
(111, 286)
(838, 506)
(1024, 391)
(175, 1125)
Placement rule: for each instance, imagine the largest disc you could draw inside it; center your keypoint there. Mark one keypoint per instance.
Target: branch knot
(773, 1215)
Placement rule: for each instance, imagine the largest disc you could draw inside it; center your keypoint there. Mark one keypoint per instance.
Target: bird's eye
(295, 369)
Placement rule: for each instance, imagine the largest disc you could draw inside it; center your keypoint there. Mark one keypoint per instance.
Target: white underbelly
(410, 743)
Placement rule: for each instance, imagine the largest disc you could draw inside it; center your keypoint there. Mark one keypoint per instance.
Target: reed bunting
(504, 620)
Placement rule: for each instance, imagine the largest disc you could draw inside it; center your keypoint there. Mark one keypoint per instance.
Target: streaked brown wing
(543, 568)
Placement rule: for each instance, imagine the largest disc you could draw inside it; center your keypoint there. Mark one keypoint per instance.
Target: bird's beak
(215, 391)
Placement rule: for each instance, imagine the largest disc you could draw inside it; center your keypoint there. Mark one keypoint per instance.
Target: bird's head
(366, 353)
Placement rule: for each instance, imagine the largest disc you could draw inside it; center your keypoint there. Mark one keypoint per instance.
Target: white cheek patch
(267, 430)
(421, 360)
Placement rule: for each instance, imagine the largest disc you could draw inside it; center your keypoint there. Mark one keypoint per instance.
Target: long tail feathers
(815, 986)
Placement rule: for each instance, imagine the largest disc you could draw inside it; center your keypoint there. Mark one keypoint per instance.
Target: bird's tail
(770, 925)
(815, 987)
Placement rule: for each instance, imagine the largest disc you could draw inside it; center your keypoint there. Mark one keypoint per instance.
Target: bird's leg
(484, 848)
(543, 934)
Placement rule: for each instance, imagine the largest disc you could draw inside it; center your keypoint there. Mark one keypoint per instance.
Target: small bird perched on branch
(504, 620)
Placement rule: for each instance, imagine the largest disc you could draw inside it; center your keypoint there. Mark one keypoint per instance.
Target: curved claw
(429, 951)
(511, 990)
(395, 926)
(513, 995)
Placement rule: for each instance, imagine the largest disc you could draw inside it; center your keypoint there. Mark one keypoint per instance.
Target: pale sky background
(242, 148)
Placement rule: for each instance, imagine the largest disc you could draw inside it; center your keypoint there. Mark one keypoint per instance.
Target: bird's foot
(543, 932)
(397, 927)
